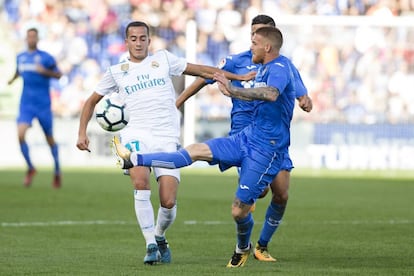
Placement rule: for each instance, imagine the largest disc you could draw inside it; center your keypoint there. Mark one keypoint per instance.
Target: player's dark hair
(33, 30)
(263, 19)
(272, 33)
(136, 24)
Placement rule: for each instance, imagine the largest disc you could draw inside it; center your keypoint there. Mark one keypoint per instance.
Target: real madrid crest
(125, 67)
(155, 64)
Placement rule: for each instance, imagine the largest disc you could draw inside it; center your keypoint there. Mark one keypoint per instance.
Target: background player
(36, 67)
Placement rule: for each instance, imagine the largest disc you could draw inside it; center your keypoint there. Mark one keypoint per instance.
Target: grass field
(335, 224)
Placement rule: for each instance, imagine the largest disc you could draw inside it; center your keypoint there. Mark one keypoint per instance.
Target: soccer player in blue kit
(36, 67)
(261, 150)
(241, 116)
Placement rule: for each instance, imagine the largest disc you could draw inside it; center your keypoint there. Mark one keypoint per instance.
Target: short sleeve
(107, 84)
(177, 64)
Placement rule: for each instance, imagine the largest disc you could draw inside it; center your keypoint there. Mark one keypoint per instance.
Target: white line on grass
(327, 222)
(200, 222)
(62, 223)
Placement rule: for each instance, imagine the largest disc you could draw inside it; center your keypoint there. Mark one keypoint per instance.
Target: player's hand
(249, 76)
(223, 84)
(40, 69)
(305, 102)
(83, 143)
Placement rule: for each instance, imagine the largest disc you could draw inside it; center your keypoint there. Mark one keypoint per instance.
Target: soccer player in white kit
(144, 83)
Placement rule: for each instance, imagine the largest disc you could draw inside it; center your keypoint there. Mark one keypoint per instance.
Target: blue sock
(25, 151)
(244, 230)
(55, 154)
(273, 217)
(168, 160)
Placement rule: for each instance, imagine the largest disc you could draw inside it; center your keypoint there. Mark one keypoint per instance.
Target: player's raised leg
(167, 160)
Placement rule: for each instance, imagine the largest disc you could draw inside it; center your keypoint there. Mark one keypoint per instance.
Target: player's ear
(268, 47)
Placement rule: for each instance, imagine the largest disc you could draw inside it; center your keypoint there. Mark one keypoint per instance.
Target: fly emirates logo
(144, 82)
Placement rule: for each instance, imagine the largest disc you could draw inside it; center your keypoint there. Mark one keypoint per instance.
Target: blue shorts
(44, 116)
(258, 167)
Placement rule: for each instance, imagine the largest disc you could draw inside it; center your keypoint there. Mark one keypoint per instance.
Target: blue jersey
(36, 87)
(270, 127)
(242, 111)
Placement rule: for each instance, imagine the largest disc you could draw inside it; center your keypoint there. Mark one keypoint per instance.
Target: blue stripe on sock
(274, 215)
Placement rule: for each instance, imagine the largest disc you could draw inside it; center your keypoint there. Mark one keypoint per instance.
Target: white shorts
(142, 142)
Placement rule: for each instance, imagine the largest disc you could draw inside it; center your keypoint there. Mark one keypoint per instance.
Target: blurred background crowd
(355, 73)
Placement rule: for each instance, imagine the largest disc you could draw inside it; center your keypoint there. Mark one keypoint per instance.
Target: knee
(280, 197)
(238, 213)
(168, 203)
(51, 141)
(264, 193)
(199, 151)
(140, 184)
(21, 137)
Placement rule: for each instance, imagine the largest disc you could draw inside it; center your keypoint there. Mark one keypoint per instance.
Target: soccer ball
(112, 114)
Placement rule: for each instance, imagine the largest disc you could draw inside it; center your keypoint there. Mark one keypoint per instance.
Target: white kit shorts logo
(244, 187)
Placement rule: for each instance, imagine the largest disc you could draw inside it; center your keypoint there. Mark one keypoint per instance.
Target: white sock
(145, 214)
(165, 218)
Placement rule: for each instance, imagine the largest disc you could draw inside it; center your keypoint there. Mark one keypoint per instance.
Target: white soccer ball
(111, 114)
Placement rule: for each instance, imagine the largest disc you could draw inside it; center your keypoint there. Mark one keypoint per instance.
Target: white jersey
(148, 92)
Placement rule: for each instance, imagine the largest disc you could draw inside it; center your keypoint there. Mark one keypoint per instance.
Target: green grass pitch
(336, 223)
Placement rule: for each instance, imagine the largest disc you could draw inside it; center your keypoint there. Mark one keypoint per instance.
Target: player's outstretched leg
(122, 153)
(153, 255)
(240, 256)
(164, 249)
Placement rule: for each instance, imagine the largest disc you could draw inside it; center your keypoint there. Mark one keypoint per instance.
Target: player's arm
(265, 93)
(305, 102)
(207, 72)
(15, 76)
(86, 115)
(190, 91)
(47, 72)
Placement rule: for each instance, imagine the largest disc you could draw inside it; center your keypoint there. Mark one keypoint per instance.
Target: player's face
(258, 48)
(137, 42)
(32, 39)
